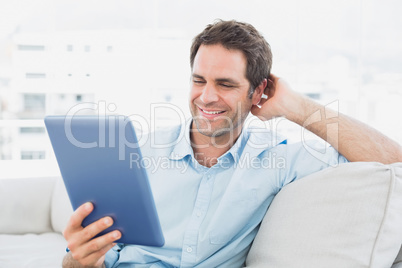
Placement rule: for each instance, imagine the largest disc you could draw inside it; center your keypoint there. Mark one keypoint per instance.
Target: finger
(257, 112)
(95, 228)
(270, 91)
(99, 243)
(273, 78)
(262, 101)
(96, 258)
(254, 110)
(271, 82)
(77, 217)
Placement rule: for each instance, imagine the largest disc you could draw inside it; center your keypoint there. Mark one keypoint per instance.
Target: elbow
(392, 156)
(396, 157)
(399, 154)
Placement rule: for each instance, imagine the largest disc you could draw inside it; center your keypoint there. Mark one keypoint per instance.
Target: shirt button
(199, 214)
(189, 249)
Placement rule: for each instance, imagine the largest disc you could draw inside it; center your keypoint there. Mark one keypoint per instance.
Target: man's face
(219, 101)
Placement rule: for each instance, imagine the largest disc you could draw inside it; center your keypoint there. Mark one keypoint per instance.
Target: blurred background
(131, 57)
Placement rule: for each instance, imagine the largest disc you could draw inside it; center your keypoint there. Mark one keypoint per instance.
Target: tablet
(93, 154)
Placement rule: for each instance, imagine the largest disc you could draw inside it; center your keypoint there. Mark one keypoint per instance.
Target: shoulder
(263, 139)
(160, 140)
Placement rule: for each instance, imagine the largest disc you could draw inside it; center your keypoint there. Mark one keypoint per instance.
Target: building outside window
(348, 54)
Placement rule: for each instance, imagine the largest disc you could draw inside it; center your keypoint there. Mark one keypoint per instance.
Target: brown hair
(241, 36)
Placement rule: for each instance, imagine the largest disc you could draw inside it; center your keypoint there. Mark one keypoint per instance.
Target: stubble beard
(212, 129)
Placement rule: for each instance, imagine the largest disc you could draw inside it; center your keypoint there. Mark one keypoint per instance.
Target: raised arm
(352, 138)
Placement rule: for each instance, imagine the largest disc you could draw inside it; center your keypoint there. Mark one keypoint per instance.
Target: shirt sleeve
(305, 158)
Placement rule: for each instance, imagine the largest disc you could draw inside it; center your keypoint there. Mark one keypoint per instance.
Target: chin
(213, 130)
(214, 134)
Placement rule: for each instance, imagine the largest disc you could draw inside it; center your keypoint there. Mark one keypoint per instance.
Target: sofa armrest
(25, 205)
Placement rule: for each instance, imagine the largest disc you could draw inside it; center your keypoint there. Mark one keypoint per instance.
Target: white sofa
(348, 216)
(33, 214)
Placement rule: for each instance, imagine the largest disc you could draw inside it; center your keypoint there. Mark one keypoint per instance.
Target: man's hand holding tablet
(83, 248)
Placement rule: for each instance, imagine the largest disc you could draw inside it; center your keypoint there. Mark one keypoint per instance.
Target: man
(210, 211)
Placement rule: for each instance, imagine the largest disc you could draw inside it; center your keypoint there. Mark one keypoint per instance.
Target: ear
(256, 98)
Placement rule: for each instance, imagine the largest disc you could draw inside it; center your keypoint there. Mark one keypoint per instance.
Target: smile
(211, 112)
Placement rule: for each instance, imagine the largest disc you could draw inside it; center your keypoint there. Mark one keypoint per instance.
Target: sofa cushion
(347, 216)
(61, 209)
(25, 205)
(31, 250)
(398, 260)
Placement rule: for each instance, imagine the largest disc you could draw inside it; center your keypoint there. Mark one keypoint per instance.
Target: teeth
(211, 112)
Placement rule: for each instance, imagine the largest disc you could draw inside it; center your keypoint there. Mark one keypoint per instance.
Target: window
(31, 48)
(35, 75)
(30, 155)
(34, 102)
(30, 130)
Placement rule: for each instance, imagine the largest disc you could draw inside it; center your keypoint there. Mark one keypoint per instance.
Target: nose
(209, 94)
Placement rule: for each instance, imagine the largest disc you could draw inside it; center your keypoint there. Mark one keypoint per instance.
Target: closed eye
(198, 81)
(226, 85)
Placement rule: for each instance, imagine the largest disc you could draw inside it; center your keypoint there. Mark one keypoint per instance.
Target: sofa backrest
(61, 208)
(348, 216)
(25, 205)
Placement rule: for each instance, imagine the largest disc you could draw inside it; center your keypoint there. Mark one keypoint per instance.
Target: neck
(207, 149)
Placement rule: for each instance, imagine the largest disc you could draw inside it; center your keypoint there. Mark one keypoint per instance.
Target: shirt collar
(256, 139)
(237, 148)
(182, 148)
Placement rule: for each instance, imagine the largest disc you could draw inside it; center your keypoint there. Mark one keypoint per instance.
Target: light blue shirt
(210, 216)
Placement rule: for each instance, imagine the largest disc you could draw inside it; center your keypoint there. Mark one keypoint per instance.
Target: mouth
(210, 114)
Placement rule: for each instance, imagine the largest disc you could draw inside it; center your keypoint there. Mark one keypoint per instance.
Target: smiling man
(210, 211)
(220, 100)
